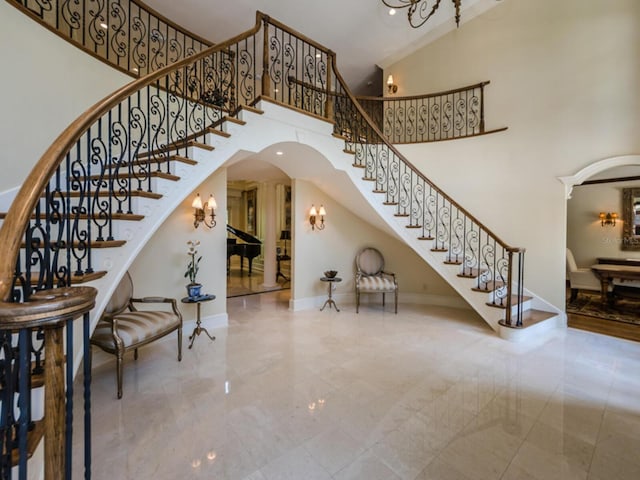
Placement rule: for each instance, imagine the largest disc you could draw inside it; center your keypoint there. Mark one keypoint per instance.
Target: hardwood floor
(606, 327)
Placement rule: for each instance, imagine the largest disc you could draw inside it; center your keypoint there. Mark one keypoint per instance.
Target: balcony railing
(124, 33)
(429, 118)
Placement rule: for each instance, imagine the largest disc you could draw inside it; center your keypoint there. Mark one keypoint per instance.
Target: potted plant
(193, 288)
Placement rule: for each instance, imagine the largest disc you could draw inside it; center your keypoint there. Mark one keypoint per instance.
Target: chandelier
(421, 7)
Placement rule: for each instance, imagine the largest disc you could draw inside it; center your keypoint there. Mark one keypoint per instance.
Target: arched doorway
(594, 191)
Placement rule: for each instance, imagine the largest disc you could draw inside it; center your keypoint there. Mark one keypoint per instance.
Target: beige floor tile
(430, 393)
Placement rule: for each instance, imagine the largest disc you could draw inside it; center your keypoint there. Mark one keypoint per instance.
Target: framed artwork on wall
(251, 196)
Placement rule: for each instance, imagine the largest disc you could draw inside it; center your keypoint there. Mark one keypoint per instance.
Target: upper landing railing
(124, 33)
(429, 118)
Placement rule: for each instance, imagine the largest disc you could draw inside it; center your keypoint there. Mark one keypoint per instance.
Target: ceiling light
(421, 7)
(279, 153)
(392, 11)
(104, 25)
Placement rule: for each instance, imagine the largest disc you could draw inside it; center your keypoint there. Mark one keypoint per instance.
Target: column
(269, 245)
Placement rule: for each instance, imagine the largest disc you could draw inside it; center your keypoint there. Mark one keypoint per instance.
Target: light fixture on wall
(421, 7)
(393, 88)
(313, 214)
(204, 213)
(608, 219)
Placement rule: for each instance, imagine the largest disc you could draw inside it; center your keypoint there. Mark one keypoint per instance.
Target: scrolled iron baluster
(461, 116)
(246, 75)
(410, 127)
(399, 123)
(447, 119)
(474, 114)
(501, 277)
(100, 208)
(434, 126)
(417, 207)
(456, 245)
(442, 230)
(487, 266)
(117, 186)
(72, 18)
(119, 41)
(78, 182)
(137, 133)
(157, 43)
(422, 122)
(472, 252)
(157, 121)
(138, 55)
(96, 32)
(175, 50)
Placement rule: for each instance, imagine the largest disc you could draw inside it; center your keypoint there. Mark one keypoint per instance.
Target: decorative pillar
(269, 245)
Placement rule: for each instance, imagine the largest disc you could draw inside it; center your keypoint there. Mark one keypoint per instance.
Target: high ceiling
(361, 32)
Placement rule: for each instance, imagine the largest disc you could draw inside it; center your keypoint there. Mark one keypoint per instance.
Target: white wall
(586, 237)
(335, 248)
(564, 79)
(45, 84)
(159, 268)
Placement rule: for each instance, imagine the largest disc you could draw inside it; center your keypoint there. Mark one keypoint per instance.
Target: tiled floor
(429, 393)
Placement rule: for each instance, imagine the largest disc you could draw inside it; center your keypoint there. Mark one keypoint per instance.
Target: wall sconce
(608, 219)
(204, 213)
(313, 213)
(393, 88)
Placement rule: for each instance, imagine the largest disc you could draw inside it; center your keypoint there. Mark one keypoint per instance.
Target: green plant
(194, 263)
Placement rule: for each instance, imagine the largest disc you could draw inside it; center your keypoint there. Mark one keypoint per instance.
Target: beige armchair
(122, 327)
(371, 277)
(580, 278)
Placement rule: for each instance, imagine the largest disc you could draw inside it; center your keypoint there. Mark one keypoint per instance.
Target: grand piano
(250, 249)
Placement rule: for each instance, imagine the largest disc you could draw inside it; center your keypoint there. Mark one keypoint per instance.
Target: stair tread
(34, 436)
(114, 216)
(94, 243)
(531, 317)
(235, 120)
(176, 146)
(75, 279)
(514, 301)
(490, 286)
(133, 193)
(220, 133)
(251, 109)
(154, 174)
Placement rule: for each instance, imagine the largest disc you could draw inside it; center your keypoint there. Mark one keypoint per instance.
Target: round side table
(329, 301)
(196, 331)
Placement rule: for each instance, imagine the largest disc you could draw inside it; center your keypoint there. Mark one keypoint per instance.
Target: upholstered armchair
(580, 278)
(122, 327)
(372, 278)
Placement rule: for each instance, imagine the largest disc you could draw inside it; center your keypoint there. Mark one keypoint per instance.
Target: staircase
(113, 176)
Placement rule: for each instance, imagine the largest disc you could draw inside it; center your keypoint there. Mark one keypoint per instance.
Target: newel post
(266, 81)
(328, 113)
(507, 316)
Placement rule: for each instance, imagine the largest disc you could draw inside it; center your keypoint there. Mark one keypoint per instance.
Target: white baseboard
(308, 303)
(212, 321)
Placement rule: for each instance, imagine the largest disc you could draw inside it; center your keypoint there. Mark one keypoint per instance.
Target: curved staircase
(113, 176)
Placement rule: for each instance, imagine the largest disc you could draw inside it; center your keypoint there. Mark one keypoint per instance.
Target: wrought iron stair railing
(126, 34)
(432, 117)
(88, 178)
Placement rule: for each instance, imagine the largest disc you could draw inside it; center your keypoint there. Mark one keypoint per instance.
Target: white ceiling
(361, 32)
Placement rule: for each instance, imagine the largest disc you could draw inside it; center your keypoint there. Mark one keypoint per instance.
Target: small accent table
(282, 258)
(196, 331)
(329, 301)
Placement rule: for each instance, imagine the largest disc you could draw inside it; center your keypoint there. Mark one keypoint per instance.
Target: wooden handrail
(427, 95)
